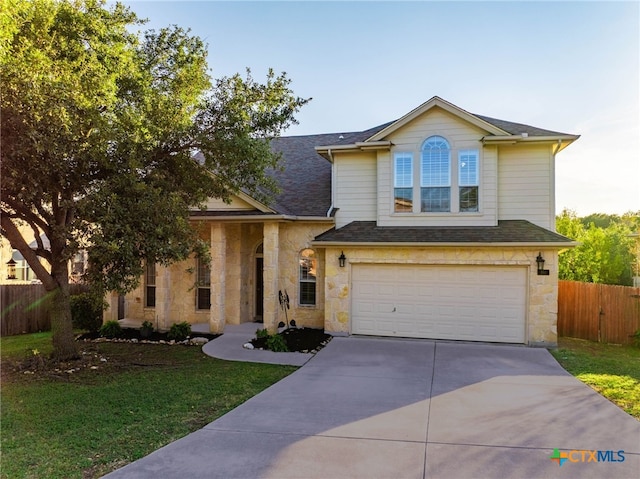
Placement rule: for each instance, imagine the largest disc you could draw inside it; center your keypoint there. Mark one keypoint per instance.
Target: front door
(259, 289)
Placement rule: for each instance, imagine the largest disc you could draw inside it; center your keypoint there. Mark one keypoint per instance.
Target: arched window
(308, 267)
(435, 175)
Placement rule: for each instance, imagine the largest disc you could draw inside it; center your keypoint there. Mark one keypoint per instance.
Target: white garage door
(473, 303)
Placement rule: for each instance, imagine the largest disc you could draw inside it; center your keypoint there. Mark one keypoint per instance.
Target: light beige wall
(355, 187)
(217, 204)
(176, 296)
(294, 237)
(542, 294)
(525, 184)
(461, 136)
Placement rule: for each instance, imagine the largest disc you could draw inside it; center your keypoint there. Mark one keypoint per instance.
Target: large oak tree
(110, 136)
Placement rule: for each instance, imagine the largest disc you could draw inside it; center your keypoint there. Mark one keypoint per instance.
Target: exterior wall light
(342, 259)
(11, 269)
(540, 262)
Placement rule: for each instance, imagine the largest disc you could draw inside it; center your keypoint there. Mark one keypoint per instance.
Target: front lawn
(612, 370)
(119, 403)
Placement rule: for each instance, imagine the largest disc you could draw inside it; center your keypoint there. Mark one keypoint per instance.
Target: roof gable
(445, 105)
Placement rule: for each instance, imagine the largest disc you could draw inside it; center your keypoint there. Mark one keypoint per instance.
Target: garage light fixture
(540, 262)
(11, 269)
(342, 259)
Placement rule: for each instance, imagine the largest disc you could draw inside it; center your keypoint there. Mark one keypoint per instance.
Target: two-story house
(437, 225)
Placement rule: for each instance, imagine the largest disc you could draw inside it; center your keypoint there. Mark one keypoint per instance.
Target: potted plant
(146, 329)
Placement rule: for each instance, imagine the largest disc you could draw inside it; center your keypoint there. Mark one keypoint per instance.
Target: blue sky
(572, 67)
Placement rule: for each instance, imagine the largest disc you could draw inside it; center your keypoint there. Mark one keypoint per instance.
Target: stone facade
(235, 250)
(542, 294)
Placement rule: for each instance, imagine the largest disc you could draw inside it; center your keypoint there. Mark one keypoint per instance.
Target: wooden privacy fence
(25, 308)
(598, 312)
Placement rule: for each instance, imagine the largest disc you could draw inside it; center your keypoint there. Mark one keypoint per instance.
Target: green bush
(146, 329)
(111, 329)
(179, 331)
(86, 312)
(262, 333)
(276, 343)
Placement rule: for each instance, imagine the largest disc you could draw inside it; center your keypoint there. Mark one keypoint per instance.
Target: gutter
(261, 218)
(511, 244)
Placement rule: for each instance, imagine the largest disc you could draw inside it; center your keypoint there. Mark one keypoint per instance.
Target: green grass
(612, 370)
(83, 424)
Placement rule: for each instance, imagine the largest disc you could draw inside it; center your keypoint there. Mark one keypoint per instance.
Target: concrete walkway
(229, 347)
(387, 408)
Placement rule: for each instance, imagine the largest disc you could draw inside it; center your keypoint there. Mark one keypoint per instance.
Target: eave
(511, 244)
(328, 150)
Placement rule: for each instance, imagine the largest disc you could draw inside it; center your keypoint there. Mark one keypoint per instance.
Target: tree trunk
(64, 345)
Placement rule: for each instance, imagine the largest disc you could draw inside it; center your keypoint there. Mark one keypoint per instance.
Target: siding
(460, 135)
(215, 204)
(525, 184)
(355, 184)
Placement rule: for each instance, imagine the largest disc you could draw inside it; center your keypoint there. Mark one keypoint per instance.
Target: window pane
(468, 168)
(403, 170)
(403, 200)
(150, 297)
(308, 293)
(204, 298)
(436, 162)
(468, 198)
(204, 273)
(435, 199)
(307, 281)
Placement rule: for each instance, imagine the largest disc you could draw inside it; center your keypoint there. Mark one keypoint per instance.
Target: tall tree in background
(99, 130)
(605, 254)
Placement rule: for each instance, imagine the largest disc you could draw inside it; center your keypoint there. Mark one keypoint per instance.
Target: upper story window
(308, 269)
(150, 286)
(203, 282)
(435, 175)
(403, 182)
(468, 180)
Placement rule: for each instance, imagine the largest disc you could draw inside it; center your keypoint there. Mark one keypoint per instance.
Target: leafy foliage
(111, 329)
(277, 343)
(179, 331)
(86, 311)
(605, 254)
(99, 130)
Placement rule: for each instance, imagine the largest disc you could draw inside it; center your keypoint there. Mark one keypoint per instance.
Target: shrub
(262, 334)
(111, 329)
(276, 343)
(146, 329)
(179, 331)
(86, 312)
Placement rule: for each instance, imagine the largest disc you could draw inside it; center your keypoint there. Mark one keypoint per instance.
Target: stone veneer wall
(542, 307)
(233, 278)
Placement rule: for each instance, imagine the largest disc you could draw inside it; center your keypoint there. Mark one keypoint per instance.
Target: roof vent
(341, 137)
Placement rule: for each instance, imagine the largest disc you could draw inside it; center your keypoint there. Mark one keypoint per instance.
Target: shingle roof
(518, 128)
(507, 231)
(305, 179)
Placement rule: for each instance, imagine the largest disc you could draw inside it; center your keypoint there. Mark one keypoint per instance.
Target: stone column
(233, 282)
(271, 243)
(163, 296)
(218, 277)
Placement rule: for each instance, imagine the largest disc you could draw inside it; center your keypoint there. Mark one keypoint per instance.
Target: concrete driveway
(387, 408)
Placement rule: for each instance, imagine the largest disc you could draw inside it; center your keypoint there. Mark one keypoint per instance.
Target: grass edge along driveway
(118, 404)
(610, 369)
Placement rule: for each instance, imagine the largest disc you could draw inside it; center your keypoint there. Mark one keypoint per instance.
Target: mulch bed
(304, 340)
(134, 333)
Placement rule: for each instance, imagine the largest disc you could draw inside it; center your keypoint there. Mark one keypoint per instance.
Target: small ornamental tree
(109, 137)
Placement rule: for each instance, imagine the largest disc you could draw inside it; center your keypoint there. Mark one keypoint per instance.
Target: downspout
(553, 185)
(333, 178)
